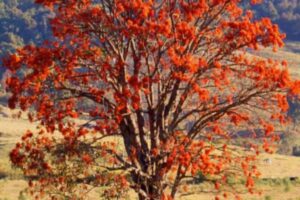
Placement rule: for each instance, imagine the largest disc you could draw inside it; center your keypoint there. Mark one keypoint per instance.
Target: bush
(200, 178)
(287, 185)
(268, 197)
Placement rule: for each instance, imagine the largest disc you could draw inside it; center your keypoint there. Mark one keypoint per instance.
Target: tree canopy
(143, 95)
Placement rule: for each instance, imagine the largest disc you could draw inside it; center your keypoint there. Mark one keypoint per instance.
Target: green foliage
(231, 180)
(268, 197)
(287, 185)
(22, 196)
(21, 22)
(199, 178)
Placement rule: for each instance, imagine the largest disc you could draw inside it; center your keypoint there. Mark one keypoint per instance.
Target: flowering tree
(144, 94)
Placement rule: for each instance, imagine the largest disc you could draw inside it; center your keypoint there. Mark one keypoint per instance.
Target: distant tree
(165, 80)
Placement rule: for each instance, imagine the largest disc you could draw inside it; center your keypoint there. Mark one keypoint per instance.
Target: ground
(275, 184)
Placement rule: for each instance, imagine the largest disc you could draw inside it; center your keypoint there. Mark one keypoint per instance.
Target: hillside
(286, 13)
(290, 52)
(21, 22)
(24, 22)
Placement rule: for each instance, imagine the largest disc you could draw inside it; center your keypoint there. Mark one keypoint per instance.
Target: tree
(164, 82)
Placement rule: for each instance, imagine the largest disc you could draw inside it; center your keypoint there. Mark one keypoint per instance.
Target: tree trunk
(152, 190)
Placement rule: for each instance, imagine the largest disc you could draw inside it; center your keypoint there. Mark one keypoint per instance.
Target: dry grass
(280, 167)
(290, 53)
(11, 130)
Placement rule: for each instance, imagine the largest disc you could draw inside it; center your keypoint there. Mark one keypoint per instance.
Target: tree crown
(171, 80)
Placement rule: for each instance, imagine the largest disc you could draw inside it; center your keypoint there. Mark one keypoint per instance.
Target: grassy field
(290, 53)
(274, 182)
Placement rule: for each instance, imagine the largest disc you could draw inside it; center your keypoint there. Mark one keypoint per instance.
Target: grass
(274, 181)
(291, 53)
(268, 197)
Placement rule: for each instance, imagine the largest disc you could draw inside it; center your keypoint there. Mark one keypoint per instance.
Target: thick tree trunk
(148, 185)
(152, 190)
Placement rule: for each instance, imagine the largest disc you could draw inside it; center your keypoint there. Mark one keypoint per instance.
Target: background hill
(21, 22)
(24, 22)
(286, 13)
